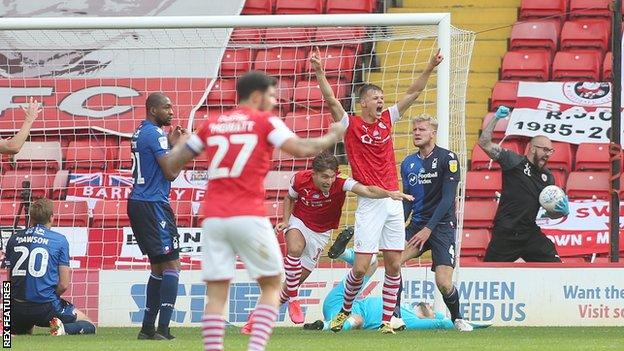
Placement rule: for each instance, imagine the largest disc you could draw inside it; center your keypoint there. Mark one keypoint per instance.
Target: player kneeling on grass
(37, 261)
(312, 209)
(367, 313)
(431, 175)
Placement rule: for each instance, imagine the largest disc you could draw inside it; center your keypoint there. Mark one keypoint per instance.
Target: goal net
(93, 84)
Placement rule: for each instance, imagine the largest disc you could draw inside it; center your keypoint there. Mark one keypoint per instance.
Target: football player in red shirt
(312, 209)
(239, 145)
(379, 223)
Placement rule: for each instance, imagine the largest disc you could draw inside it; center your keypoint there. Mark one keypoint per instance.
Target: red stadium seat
(247, 35)
(223, 93)
(71, 213)
(590, 8)
(607, 67)
(504, 93)
(11, 183)
(290, 35)
(535, 35)
(285, 93)
(276, 184)
(479, 213)
(235, 62)
(592, 157)
(577, 65)
(274, 211)
(350, 6)
(298, 7)
(89, 155)
(499, 129)
(483, 184)
(282, 160)
(183, 212)
(542, 8)
(475, 242)
(110, 214)
(306, 124)
(586, 34)
(125, 155)
(281, 61)
(588, 185)
(8, 211)
(561, 177)
(526, 65)
(338, 62)
(340, 33)
(258, 7)
(308, 93)
(39, 155)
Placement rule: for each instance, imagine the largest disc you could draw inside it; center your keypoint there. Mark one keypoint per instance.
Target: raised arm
(375, 192)
(13, 145)
(299, 147)
(337, 111)
(419, 84)
(493, 150)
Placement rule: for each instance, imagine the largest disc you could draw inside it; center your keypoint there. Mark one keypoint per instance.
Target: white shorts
(379, 225)
(251, 238)
(315, 242)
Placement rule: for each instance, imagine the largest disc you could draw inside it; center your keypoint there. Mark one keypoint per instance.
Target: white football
(549, 197)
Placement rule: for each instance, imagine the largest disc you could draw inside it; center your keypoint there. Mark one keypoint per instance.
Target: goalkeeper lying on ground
(367, 312)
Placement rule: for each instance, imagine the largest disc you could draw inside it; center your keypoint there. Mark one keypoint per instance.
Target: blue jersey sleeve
(450, 180)
(64, 253)
(6, 263)
(158, 143)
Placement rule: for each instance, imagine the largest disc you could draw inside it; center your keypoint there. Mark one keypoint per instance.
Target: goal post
(93, 75)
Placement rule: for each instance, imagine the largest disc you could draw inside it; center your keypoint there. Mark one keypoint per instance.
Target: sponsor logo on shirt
(527, 169)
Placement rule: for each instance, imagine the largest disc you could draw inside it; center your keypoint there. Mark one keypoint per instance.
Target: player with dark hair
(13, 145)
(515, 234)
(240, 144)
(379, 223)
(37, 262)
(312, 209)
(431, 175)
(152, 220)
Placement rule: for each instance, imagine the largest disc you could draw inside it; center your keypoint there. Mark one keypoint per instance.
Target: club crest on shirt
(544, 177)
(164, 143)
(382, 125)
(434, 163)
(453, 166)
(527, 169)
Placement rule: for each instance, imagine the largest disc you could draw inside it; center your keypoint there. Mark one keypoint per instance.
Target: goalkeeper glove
(563, 206)
(502, 112)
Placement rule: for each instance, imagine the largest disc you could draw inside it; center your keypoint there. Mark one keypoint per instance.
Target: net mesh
(93, 85)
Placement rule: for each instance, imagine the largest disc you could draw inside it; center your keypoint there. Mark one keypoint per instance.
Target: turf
(508, 339)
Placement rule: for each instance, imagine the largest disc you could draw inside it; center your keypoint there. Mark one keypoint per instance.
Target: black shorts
(155, 230)
(26, 315)
(533, 246)
(441, 242)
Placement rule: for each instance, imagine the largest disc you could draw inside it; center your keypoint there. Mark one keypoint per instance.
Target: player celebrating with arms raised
(379, 223)
(431, 175)
(152, 220)
(239, 145)
(312, 209)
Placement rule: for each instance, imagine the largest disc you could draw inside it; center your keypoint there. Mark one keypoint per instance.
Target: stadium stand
(577, 65)
(474, 242)
(588, 185)
(592, 157)
(526, 65)
(535, 35)
(479, 213)
(483, 184)
(504, 93)
(586, 34)
(543, 8)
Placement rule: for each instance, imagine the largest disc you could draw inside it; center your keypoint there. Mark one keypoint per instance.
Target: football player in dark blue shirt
(37, 261)
(431, 176)
(152, 220)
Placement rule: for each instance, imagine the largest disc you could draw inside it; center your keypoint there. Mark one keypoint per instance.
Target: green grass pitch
(508, 339)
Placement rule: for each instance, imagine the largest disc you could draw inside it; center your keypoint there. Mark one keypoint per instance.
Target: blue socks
(79, 327)
(348, 256)
(168, 295)
(152, 301)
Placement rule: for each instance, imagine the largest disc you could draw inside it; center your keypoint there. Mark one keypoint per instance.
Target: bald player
(515, 234)
(150, 214)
